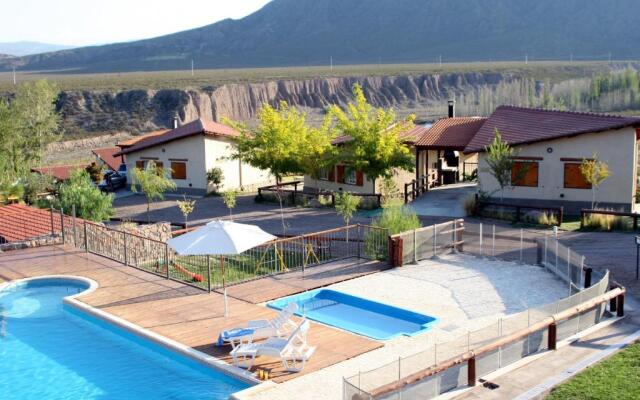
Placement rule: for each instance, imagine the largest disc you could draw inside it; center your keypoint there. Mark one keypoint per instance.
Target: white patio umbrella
(220, 238)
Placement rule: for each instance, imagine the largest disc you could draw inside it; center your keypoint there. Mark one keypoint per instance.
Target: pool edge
(169, 344)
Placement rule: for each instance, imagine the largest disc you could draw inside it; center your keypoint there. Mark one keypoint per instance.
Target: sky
(85, 22)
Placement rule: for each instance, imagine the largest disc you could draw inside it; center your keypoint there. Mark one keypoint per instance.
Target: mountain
(28, 48)
(310, 32)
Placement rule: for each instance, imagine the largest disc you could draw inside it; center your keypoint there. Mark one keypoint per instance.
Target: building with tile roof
(187, 152)
(550, 146)
(20, 222)
(107, 157)
(60, 172)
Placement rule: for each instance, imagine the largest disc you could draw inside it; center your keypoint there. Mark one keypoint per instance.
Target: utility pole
(440, 60)
(526, 59)
(192, 67)
(331, 63)
(14, 76)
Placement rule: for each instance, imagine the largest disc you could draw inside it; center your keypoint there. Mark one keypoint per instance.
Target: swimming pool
(50, 350)
(364, 317)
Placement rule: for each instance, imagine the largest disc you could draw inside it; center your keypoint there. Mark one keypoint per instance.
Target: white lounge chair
(280, 326)
(293, 351)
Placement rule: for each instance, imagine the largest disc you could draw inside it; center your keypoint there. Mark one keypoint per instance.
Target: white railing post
(521, 244)
(481, 239)
(493, 241)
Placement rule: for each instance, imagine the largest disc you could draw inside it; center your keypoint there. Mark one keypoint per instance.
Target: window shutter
(332, 174)
(340, 173)
(524, 174)
(573, 178)
(359, 178)
(140, 164)
(178, 170)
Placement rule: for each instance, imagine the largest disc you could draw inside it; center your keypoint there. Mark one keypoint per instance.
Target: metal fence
(211, 272)
(439, 369)
(428, 242)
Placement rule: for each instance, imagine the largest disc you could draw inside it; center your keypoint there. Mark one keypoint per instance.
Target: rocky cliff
(145, 110)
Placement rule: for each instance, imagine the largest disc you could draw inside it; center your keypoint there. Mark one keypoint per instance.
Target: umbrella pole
(224, 287)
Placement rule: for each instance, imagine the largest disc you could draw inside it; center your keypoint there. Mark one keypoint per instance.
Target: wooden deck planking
(188, 315)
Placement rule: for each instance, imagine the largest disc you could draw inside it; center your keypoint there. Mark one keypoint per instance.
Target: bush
(215, 177)
(397, 218)
(35, 184)
(548, 219)
(608, 223)
(469, 205)
(91, 204)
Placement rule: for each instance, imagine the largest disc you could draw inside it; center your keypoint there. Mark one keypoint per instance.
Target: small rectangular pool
(355, 314)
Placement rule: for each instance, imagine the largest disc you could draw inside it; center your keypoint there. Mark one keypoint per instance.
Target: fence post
(359, 243)
(166, 258)
(453, 247)
(471, 372)
(587, 277)
(124, 247)
(86, 238)
(62, 224)
(53, 229)
(73, 219)
(545, 248)
(521, 244)
(552, 336)
(493, 241)
(435, 241)
(415, 245)
(480, 239)
(620, 305)
(208, 271)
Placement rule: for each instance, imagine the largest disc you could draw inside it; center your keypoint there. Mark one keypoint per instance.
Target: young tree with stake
(152, 182)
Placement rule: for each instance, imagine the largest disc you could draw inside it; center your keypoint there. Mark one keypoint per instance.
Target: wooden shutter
(178, 170)
(159, 167)
(332, 174)
(140, 164)
(573, 178)
(524, 174)
(359, 178)
(340, 173)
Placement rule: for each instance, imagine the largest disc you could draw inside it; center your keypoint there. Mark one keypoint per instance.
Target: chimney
(175, 122)
(452, 108)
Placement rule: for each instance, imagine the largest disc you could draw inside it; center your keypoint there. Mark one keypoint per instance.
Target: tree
(215, 176)
(500, 161)
(90, 203)
(28, 123)
(229, 197)
(153, 182)
(374, 147)
(388, 190)
(95, 172)
(284, 144)
(186, 207)
(595, 172)
(346, 205)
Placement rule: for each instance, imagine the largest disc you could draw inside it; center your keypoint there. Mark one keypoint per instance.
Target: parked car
(113, 180)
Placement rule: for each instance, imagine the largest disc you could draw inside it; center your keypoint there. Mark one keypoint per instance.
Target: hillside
(310, 32)
(25, 48)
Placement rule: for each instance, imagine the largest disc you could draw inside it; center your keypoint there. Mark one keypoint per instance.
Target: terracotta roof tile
(451, 133)
(107, 155)
(60, 172)
(19, 222)
(520, 125)
(137, 139)
(197, 127)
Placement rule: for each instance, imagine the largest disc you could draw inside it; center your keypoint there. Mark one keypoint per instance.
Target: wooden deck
(188, 315)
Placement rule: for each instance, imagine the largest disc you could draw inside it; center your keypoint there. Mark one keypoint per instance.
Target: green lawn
(617, 378)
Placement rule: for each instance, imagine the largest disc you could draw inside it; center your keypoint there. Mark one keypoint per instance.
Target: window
(524, 173)
(178, 170)
(159, 167)
(140, 164)
(340, 173)
(324, 174)
(350, 177)
(573, 178)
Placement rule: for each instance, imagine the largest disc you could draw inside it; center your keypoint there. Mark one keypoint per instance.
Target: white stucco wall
(203, 153)
(190, 149)
(616, 148)
(237, 175)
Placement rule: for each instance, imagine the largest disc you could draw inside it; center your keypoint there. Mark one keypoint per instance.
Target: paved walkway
(444, 201)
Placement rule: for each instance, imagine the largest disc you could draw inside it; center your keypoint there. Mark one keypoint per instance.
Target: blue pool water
(53, 351)
(358, 315)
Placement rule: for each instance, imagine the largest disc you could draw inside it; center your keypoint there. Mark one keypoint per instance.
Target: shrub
(35, 184)
(90, 202)
(215, 177)
(603, 222)
(397, 218)
(548, 219)
(469, 204)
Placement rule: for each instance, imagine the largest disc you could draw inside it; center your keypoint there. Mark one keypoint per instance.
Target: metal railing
(427, 242)
(211, 272)
(457, 363)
